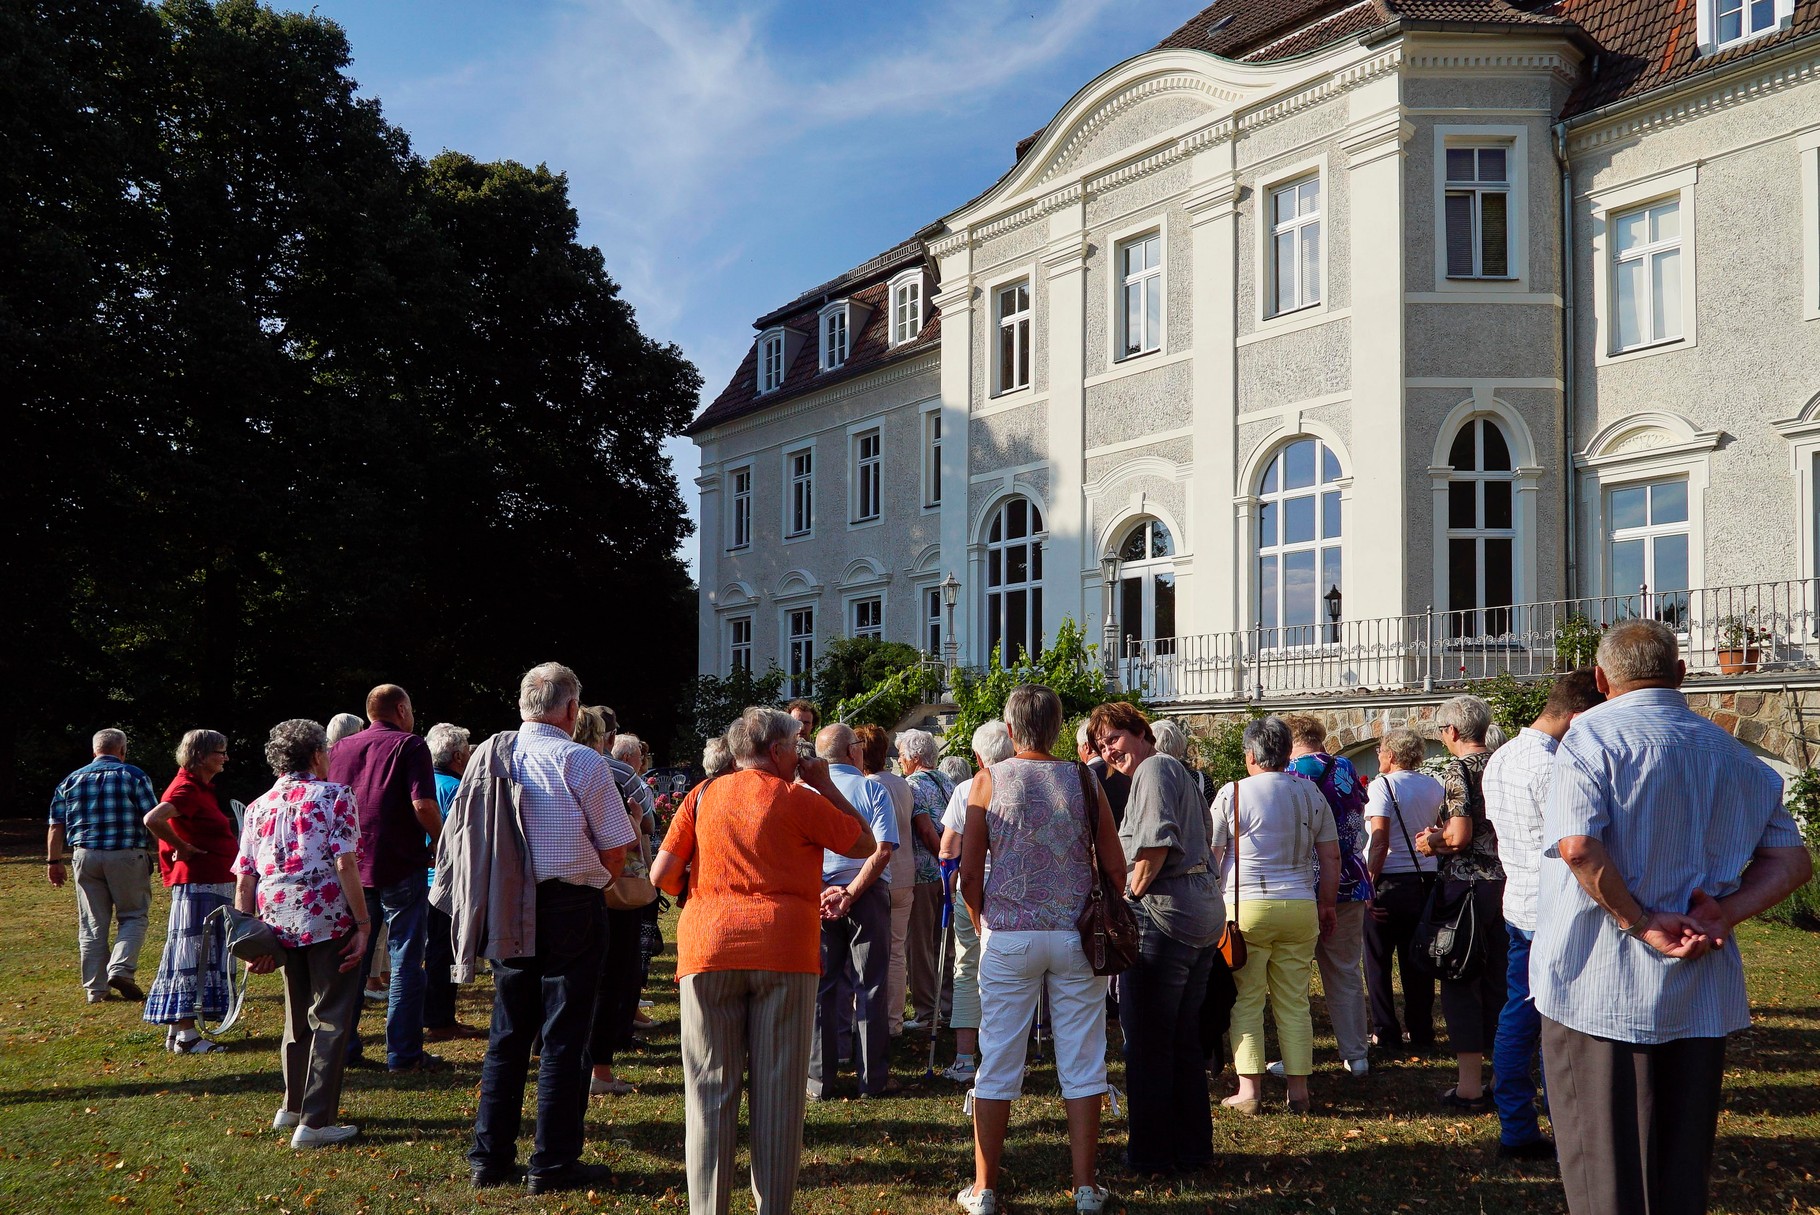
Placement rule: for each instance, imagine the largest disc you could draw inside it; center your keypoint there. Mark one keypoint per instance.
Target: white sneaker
(322, 1136)
(1358, 1067)
(915, 1026)
(284, 1120)
(1276, 1069)
(1090, 1198)
(979, 1202)
(609, 1088)
(963, 1072)
(646, 1004)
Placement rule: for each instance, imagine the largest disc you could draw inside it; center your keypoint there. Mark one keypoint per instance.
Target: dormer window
(770, 362)
(834, 339)
(906, 307)
(1726, 22)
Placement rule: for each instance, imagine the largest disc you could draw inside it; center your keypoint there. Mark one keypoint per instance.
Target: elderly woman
(1031, 816)
(449, 752)
(991, 745)
(196, 848)
(1176, 901)
(299, 870)
(1401, 802)
(875, 763)
(918, 755)
(716, 759)
(1466, 845)
(343, 724)
(955, 769)
(1271, 830)
(748, 951)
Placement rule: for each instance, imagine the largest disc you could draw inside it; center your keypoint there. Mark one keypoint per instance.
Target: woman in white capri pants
(1029, 813)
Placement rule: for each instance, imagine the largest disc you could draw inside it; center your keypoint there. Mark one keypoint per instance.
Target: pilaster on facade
(1210, 596)
(956, 302)
(1067, 551)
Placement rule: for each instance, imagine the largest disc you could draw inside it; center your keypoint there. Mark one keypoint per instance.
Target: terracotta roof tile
(1347, 22)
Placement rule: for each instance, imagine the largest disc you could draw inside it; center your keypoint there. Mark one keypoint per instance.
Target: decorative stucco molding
(1198, 87)
(1696, 103)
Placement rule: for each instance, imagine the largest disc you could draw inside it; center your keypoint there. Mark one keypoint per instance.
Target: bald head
(835, 743)
(391, 704)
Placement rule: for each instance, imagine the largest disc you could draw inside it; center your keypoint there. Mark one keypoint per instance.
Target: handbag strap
(1089, 795)
(1235, 850)
(1390, 789)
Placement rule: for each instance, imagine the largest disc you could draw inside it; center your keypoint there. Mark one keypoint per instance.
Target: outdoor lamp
(1109, 570)
(1333, 609)
(951, 590)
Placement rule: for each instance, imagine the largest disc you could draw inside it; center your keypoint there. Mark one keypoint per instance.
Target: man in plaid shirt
(99, 813)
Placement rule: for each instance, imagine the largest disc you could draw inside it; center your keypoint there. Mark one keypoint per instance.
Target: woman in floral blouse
(299, 870)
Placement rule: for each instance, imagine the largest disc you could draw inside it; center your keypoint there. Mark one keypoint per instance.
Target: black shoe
(128, 989)
(422, 1063)
(486, 1176)
(572, 1177)
(1535, 1149)
(362, 1063)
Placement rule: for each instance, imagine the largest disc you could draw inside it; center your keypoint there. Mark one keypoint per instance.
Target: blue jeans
(554, 993)
(1171, 1122)
(405, 906)
(1515, 1049)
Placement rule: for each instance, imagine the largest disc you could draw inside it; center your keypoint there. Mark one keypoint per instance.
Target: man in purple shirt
(394, 784)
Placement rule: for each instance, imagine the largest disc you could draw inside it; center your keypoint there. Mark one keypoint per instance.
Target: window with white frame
(906, 311)
(932, 458)
(1477, 211)
(932, 622)
(868, 618)
(770, 362)
(1298, 543)
(834, 339)
(1140, 267)
(739, 496)
(1646, 274)
(800, 503)
(1736, 20)
(1013, 309)
(739, 644)
(1295, 245)
(1146, 593)
(1014, 579)
(866, 470)
(1646, 552)
(1481, 531)
(801, 643)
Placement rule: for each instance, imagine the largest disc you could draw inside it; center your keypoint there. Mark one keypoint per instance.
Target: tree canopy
(293, 411)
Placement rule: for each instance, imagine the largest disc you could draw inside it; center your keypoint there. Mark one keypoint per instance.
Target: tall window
(932, 622)
(802, 650)
(770, 362)
(834, 339)
(1646, 268)
(1014, 579)
(802, 492)
(740, 482)
(1478, 212)
(906, 311)
(1647, 544)
(932, 458)
(1735, 19)
(1481, 531)
(1295, 245)
(1014, 337)
(1146, 602)
(866, 463)
(1298, 543)
(1141, 295)
(739, 643)
(869, 617)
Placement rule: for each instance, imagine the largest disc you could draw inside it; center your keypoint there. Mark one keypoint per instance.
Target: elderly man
(99, 811)
(1516, 791)
(449, 752)
(856, 929)
(575, 831)
(1662, 833)
(393, 779)
(622, 973)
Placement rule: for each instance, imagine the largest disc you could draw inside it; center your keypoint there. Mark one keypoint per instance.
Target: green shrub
(1577, 643)
(850, 667)
(1802, 908)
(1514, 704)
(716, 701)
(1221, 750)
(887, 701)
(1067, 667)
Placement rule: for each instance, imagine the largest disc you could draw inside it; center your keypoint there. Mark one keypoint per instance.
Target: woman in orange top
(748, 950)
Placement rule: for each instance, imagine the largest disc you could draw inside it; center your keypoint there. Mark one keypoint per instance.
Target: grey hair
(546, 691)
(955, 768)
(716, 758)
(1083, 734)
(1495, 736)
(1469, 716)
(1268, 740)
(1171, 739)
(108, 742)
(293, 744)
(1033, 714)
(446, 742)
(198, 743)
(992, 743)
(920, 746)
(628, 749)
(1407, 748)
(343, 724)
(754, 732)
(1638, 651)
(829, 743)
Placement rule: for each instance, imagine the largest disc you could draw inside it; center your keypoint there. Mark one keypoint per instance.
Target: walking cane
(1042, 1019)
(949, 868)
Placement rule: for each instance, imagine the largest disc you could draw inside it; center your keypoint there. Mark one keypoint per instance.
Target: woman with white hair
(343, 724)
(991, 744)
(918, 756)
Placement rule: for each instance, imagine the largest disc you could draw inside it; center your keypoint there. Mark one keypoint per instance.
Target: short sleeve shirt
(1282, 817)
(930, 792)
(1165, 810)
(1463, 782)
(753, 844)
(387, 769)
(201, 822)
(292, 838)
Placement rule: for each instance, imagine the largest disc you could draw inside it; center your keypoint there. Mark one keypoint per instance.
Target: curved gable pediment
(1645, 433)
(864, 571)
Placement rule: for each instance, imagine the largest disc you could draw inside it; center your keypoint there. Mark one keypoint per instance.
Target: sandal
(1467, 1105)
(193, 1046)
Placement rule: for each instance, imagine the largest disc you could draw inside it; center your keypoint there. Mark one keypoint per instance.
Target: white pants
(1014, 967)
(897, 979)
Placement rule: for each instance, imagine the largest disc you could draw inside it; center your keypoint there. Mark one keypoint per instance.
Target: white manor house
(1329, 349)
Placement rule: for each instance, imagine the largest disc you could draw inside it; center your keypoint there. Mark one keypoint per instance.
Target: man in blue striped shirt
(1661, 833)
(99, 813)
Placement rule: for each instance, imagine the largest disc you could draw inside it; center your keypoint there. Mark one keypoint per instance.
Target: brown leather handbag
(1232, 941)
(1109, 931)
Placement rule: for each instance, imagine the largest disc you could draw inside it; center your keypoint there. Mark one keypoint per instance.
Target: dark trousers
(621, 977)
(1401, 897)
(402, 905)
(1634, 1124)
(861, 938)
(1472, 1006)
(438, 957)
(553, 992)
(1171, 1120)
(319, 1003)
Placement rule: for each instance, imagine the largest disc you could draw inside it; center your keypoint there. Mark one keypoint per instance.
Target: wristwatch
(1634, 929)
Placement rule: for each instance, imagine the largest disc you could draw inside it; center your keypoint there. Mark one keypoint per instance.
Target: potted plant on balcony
(1740, 643)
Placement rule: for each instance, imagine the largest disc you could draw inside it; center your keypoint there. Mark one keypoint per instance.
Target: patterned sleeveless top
(1037, 828)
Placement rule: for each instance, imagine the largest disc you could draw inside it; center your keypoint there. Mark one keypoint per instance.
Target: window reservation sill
(1642, 352)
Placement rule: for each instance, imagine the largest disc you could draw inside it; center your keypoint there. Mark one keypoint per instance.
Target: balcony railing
(1729, 630)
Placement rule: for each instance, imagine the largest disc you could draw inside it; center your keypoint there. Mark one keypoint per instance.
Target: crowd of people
(1588, 873)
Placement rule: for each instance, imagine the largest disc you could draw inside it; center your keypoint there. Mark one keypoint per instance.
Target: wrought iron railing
(1729, 630)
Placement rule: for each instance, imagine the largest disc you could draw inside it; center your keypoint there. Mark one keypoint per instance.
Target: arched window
(1298, 543)
(1481, 531)
(1146, 603)
(1014, 579)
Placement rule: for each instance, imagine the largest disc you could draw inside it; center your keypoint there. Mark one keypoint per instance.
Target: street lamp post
(1333, 611)
(1109, 572)
(951, 650)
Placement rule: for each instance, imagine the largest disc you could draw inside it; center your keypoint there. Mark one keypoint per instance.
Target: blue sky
(727, 156)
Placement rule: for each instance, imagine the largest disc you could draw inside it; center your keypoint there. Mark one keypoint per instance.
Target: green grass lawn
(95, 1116)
